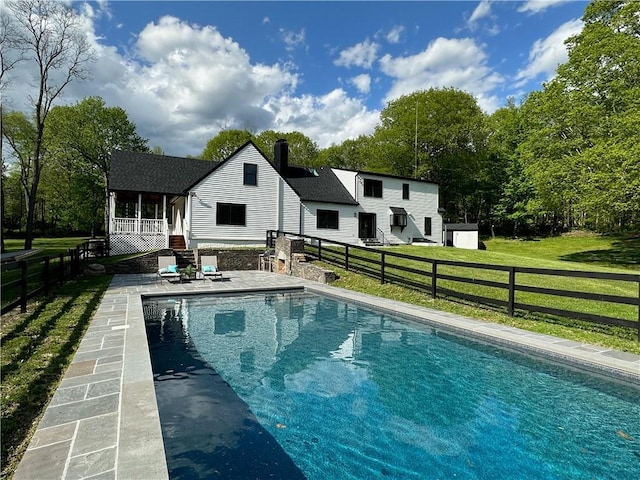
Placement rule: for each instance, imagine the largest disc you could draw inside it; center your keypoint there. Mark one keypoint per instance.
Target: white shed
(460, 235)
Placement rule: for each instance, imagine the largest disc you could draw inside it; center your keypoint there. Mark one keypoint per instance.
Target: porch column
(112, 211)
(164, 214)
(139, 223)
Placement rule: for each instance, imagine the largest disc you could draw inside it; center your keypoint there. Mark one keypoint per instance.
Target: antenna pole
(415, 145)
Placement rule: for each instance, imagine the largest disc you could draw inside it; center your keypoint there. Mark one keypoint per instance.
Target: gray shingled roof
(144, 172)
(318, 185)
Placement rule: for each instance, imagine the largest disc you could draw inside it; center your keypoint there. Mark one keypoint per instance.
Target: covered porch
(141, 221)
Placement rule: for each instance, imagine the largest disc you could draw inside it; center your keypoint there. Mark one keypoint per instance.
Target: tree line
(567, 156)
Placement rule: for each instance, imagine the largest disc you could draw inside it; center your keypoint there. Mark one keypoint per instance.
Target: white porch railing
(145, 226)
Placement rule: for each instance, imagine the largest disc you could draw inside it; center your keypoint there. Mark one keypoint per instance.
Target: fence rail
(513, 282)
(23, 280)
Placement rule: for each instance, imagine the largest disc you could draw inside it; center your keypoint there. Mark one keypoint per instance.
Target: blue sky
(185, 70)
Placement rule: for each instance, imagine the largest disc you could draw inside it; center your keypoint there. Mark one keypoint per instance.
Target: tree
(302, 150)
(11, 52)
(351, 154)
(225, 143)
(439, 135)
(52, 37)
(581, 148)
(21, 133)
(84, 135)
(507, 183)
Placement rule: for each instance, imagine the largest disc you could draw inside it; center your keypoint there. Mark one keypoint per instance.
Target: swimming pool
(297, 385)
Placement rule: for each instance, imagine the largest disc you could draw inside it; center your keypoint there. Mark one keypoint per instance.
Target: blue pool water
(294, 385)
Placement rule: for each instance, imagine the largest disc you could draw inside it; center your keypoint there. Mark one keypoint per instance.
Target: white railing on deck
(144, 226)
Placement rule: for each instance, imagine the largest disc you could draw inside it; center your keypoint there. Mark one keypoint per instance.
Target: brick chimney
(281, 156)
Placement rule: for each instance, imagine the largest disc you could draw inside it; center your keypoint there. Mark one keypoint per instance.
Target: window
(399, 220)
(250, 174)
(327, 219)
(405, 191)
(372, 188)
(225, 323)
(231, 214)
(427, 225)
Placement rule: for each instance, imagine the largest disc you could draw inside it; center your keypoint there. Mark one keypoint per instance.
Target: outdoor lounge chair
(168, 268)
(209, 267)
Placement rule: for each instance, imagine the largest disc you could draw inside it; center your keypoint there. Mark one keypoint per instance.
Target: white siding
(348, 179)
(464, 239)
(264, 209)
(423, 202)
(347, 221)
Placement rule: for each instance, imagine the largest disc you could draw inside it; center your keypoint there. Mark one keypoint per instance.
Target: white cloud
(482, 15)
(482, 10)
(292, 39)
(538, 6)
(362, 55)
(182, 83)
(458, 63)
(180, 86)
(362, 82)
(327, 119)
(394, 34)
(547, 53)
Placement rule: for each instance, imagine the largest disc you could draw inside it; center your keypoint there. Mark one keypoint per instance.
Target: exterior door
(366, 225)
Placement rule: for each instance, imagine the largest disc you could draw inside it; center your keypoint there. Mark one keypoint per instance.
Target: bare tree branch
(50, 34)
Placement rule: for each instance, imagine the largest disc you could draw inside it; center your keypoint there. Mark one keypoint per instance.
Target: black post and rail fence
(507, 288)
(25, 279)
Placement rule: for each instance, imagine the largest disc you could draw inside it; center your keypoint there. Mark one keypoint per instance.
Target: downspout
(279, 209)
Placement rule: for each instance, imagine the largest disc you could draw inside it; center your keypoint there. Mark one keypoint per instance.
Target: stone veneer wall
(227, 260)
(290, 260)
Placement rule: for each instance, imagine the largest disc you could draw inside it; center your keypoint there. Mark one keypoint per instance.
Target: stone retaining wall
(227, 260)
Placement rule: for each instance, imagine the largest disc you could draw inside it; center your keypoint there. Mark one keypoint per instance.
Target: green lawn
(580, 250)
(547, 253)
(37, 347)
(45, 246)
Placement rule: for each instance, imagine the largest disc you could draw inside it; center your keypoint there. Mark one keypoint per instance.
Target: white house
(159, 202)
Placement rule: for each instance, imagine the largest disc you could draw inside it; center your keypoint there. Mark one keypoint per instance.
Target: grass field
(547, 253)
(45, 246)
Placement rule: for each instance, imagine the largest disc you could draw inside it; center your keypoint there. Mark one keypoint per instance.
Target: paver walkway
(103, 421)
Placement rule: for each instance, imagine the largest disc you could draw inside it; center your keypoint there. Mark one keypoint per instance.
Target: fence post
(267, 240)
(61, 257)
(23, 286)
(319, 250)
(45, 275)
(434, 279)
(382, 262)
(346, 258)
(639, 308)
(76, 262)
(512, 290)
